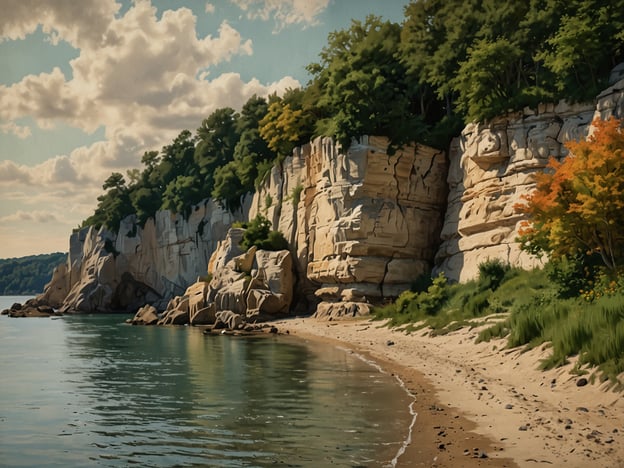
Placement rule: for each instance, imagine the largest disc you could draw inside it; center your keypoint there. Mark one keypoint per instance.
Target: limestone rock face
(252, 286)
(107, 272)
(270, 291)
(363, 224)
(492, 166)
(57, 289)
(146, 315)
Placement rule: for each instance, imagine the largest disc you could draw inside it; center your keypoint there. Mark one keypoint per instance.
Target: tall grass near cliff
(526, 308)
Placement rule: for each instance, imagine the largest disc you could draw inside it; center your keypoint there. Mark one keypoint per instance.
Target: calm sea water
(93, 391)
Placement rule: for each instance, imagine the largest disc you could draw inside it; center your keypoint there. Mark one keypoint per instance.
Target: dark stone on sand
(581, 382)
(389, 343)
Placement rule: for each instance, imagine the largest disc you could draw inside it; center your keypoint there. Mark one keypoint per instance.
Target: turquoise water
(93, 391)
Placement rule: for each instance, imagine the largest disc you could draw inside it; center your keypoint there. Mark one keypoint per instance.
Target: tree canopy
(449, 62)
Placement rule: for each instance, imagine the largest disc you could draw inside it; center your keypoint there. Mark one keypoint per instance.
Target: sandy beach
(482, 404)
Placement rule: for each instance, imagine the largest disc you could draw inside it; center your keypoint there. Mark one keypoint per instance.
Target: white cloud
(12, 128)
(36, 216)
(209, 8)
(82, 24)
(144, 83)
(284, 12)
(140, 76)
(12, 173)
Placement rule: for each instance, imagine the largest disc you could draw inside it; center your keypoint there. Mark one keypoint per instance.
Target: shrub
(571, 275)
(258, 232)
(491, 274)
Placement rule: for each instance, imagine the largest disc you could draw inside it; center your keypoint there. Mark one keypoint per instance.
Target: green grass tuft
(537, 313)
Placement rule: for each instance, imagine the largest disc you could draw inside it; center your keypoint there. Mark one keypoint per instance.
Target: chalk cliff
(362, 224)
(122, 272)
(493, 165)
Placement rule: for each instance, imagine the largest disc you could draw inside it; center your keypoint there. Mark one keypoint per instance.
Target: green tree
(146, 201)
(587, 44)
(227, 187)
(113, 206)
(288, 123)
(217, 138)
(435, 39)
(485, 81)
(258, 233)
(251, 153)
(363, 85)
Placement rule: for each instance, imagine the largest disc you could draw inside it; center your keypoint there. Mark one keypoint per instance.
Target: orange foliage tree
(578, 204)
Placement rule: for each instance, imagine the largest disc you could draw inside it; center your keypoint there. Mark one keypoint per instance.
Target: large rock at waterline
(204, 316)
(178, 314)
(31, 308)
(253, 285)
(271, 287)
(228, 319)
(146, 315)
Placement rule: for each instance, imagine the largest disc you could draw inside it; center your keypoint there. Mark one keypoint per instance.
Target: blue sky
(87, 87)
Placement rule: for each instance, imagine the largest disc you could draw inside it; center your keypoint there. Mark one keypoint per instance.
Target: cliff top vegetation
(448, 63)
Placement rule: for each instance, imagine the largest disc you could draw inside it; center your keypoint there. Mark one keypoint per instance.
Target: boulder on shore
(31, 308)
(244, 287)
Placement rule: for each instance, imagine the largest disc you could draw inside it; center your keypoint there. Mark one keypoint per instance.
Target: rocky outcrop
(493, 165)
(250, 287)
(31, 308)
(363, 223)
(140, 265)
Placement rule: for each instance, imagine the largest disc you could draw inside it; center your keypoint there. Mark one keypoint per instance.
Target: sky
(87, 87)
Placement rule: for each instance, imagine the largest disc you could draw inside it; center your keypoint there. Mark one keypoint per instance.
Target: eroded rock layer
(139, 265)
(493, 165)
(364, 223)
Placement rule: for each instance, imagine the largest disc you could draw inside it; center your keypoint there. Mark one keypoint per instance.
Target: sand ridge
(483, 404)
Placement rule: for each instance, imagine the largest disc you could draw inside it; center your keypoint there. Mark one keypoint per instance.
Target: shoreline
(482, 400)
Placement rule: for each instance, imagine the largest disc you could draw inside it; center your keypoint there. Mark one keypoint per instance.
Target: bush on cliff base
(258, 233)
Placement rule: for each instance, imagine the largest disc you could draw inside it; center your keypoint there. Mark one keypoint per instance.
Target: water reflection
(157, 396)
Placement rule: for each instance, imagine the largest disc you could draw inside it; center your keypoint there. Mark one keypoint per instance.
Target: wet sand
(482, 404)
